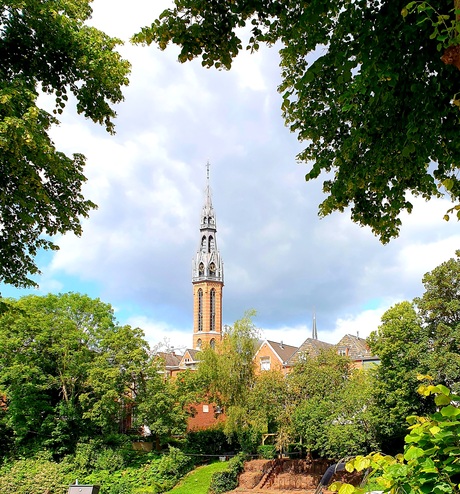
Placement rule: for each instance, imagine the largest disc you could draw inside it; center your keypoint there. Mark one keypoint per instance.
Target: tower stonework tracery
(207, 279)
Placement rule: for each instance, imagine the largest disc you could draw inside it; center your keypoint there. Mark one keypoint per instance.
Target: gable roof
(281, 350)
(312, 347)
(354, 347)
(170, 359)
(188, 360)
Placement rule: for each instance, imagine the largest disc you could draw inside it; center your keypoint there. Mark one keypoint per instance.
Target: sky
(279, 257)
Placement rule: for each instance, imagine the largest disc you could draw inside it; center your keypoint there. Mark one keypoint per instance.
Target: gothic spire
(208, 263)
(314, 333)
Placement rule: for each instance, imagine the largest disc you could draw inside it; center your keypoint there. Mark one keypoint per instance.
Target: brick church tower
(207, 279)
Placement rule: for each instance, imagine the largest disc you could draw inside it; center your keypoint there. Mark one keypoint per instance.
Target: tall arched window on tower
(212, 300)
(200, 310)
(210, 243)
(212, 344)
(199, 344)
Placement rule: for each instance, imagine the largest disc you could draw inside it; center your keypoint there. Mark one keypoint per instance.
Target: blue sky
(279, 257)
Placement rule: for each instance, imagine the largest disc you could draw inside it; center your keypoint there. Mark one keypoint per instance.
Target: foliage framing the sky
(363, 86)
(45, 45)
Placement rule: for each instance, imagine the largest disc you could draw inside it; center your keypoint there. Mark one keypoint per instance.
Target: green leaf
(347, 489)
(434, 430)
(361, 463)
(448, 183)
(413, 453)
(450, 411)
(442, 400)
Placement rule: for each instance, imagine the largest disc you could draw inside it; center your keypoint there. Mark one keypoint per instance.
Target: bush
(207, 442)
(93, 464)
(120, 487)
(267, 451)
(32, 476)
(223, 482)
(93, 456)
(175, 464)
(228, 479)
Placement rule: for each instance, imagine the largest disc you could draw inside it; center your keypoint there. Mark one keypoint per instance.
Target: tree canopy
(363, 85)
(414, 339)
(439, 308)
(47, 46)
(70, 372)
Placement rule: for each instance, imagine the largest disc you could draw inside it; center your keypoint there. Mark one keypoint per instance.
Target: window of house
(343, 352)
(264, 363)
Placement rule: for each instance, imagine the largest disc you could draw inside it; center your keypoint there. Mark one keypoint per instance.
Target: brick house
(272, 355)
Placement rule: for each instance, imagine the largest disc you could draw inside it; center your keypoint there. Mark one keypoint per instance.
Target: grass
(198, 481)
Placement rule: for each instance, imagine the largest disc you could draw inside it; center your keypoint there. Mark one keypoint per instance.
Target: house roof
(354, 347)
(310, 346)
(170, 359)
(192, 352)
(188, 360)
(283, 351)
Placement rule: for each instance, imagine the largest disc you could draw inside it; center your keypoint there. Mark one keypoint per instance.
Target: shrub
(175, 464)
(228, 479)
(223, 482)
(267, 451)
(429, 463)
(207, 441)
(32, 476)
(120, 487)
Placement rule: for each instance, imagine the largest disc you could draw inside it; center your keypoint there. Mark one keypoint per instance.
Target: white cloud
(157, 333)
(419, 258)
(279, 258)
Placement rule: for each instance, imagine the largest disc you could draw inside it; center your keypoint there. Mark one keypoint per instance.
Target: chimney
(281, 344)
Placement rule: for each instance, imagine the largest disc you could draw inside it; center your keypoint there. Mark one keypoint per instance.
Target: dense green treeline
(69, 372)
(77, 387)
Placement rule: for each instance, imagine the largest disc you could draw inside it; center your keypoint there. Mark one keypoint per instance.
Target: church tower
(207, 279)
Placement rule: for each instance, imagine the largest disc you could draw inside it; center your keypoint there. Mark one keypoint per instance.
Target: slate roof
(283, 351)
(311, 347)
(192, 352)
(170, 359)
(354, 347)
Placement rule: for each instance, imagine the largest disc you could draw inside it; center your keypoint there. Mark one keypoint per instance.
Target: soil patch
(286, 476)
